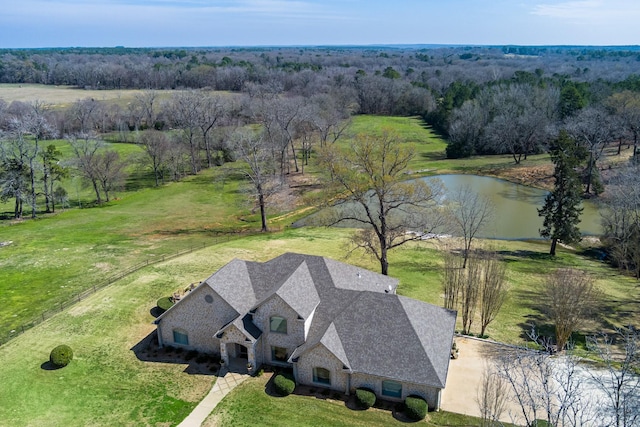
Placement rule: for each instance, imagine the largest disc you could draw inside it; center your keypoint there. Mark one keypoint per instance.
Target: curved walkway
(225, 382)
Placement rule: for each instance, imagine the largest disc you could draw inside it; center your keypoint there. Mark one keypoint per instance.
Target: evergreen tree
(561, 210)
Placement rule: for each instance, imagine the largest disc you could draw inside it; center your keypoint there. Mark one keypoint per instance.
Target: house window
(321, 376)
(180, 337)
(279, 354)
(278, 324)
(391, 389)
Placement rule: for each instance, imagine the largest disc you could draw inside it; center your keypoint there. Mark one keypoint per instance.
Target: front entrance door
(241, 351)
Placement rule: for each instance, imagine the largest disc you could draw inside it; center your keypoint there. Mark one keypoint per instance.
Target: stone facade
(320, 357)
(294, 337)
(430, 394)
(200, 319)
(233, 336)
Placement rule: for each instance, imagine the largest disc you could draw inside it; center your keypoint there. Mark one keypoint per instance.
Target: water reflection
(516, 215)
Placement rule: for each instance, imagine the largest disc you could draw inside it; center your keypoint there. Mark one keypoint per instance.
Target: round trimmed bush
(284, 384)
(415, 407)
(365, 398)
(164, 303)
(61, 356)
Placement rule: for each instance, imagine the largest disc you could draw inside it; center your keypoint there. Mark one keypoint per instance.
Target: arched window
(278, 324)
(321, 376)
(180, 336)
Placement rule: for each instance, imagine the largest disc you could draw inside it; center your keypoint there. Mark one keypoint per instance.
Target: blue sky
(153, 23)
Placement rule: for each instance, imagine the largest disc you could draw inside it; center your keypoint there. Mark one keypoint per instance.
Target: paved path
(224, 384)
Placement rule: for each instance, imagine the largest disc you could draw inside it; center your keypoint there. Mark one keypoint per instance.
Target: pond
(516, 216)
(516, 207)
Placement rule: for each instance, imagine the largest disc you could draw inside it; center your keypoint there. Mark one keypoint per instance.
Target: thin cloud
(595, 10)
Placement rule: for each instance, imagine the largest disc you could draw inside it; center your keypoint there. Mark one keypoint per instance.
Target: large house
(336, 325)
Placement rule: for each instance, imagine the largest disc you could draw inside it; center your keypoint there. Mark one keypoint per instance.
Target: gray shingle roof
(299, 291)
(397, 337)
(357, 315)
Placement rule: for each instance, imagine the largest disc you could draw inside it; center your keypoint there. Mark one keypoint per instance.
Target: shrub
(164, 303)
(284, 384)
(61, 356)
(191, 354)
(415, 407)
(365, 398)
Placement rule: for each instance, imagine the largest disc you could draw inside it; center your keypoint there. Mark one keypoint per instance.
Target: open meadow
(64, 96)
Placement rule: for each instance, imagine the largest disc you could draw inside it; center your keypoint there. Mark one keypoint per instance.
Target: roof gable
(233, 284)
(299, 291)
(331, 341)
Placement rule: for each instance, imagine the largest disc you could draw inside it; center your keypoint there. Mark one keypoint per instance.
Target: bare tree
(621, 219)
(471, 212)
(145, 105)
(453, 279)
(547, 390)
(619, 381)
(211, 113)
(329, 119)
(156, 145)
(568, 297)
(492, 397)
(14, 172)
(85, 114)
(185, 109)
(469, 294)
(109, 171)
(37, 125)
(367, 182)
(86, 151)
(591, 127)
(252, 147)
(52, 172)
(493, 289)
(626, 105)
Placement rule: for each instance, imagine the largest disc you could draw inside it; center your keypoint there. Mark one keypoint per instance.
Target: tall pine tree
(561, 210)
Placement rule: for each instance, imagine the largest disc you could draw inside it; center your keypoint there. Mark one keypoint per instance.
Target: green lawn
(107, 384)
(250, 405)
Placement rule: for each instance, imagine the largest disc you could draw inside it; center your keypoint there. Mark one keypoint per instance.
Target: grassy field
(53, 258)
(108, 384)
(63, 96)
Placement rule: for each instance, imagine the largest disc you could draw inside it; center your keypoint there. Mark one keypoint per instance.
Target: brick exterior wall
(294, 337)
(198, 318)
(430, 394)
(320, 357)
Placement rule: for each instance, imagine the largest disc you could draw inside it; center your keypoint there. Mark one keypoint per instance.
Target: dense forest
(484, 100)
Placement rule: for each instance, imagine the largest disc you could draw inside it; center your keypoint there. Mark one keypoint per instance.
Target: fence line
(60, 306)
